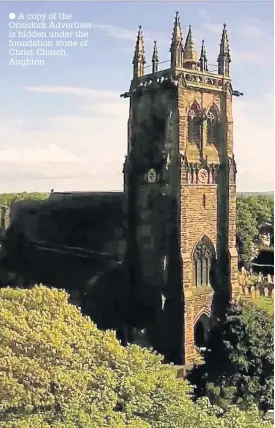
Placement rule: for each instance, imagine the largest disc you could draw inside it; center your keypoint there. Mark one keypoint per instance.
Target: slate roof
(87, 220)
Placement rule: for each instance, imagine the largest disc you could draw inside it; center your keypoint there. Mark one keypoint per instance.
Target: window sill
(202, 289)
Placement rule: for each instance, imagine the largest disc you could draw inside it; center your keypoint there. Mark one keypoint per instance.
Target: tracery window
(203, 258)
(194, 125)
(213, 126)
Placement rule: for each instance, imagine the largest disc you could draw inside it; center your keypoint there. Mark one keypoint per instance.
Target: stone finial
(224, 55)
(139, 55)
(155, 58)
(203, 58)
(176, 48)
(190, 57)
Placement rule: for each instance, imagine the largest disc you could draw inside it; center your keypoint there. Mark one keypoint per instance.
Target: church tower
(180, 180)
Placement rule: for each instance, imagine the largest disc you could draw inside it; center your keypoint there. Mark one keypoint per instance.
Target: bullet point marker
(12, 16)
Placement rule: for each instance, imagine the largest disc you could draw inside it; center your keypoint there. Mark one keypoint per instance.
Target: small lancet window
(203, 257)
(194, 126)
(213, 126)
(204, 201)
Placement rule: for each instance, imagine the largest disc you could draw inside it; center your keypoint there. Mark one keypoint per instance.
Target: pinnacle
(139, 49)
(177, 33)
(155, 56)
(190, 54)
(224, 45)
(203, 50)
(139, 57)
(203, 58)
(224, 55)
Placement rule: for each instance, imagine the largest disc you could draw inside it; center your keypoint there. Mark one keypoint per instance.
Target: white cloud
(131, 35)
(253, 142)
(203, 14)
(28, 156)
(214, 28)
(249, 41)
(74, 152)
(250, 56)
(116, 32)
(251, 29)
(71, 90)
(87, 152)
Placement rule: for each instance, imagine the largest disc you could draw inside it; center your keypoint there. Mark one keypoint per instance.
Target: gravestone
(266, 292)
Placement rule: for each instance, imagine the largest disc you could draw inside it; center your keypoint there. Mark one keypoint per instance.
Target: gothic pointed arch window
(213, 126)
(194, 125)
(203, 259)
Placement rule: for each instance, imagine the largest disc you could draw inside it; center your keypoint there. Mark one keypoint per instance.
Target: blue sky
(64, 126)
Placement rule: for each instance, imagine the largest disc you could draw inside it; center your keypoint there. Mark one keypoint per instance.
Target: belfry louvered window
(194, 126)
(203, 256)
(213, 126)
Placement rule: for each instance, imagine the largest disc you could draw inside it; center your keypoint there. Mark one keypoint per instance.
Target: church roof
(80, 194)
(265, 257)
(84, 220)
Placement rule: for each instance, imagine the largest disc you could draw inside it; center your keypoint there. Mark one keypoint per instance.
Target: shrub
(239, 360)
(58, 370)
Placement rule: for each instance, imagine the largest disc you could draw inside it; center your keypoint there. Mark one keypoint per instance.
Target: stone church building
(180, 182)
(157, 262)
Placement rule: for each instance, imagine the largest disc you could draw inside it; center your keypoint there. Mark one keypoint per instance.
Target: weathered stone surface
(172, 215)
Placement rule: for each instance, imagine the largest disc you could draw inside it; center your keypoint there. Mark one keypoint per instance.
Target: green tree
(6, 199)
(58, 370)
(252, 212)
(239, 360)
(246, 230)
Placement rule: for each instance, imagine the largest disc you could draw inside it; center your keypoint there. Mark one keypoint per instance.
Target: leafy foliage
(239, 360)
(262, 302)
(252, 212)
(58, 370)
(6, 199)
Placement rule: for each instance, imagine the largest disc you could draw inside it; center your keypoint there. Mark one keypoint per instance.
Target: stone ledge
(198, 291)
(200, 186)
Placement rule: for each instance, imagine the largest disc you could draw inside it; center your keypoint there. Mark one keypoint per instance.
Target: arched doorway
(201, 331)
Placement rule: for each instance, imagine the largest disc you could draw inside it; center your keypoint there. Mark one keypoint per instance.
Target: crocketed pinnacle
(224, 45)
(176, 48)
(189, 52)
(139, 56)
(224, 55)
(203, 58)
(177, 34)
(155, 58)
